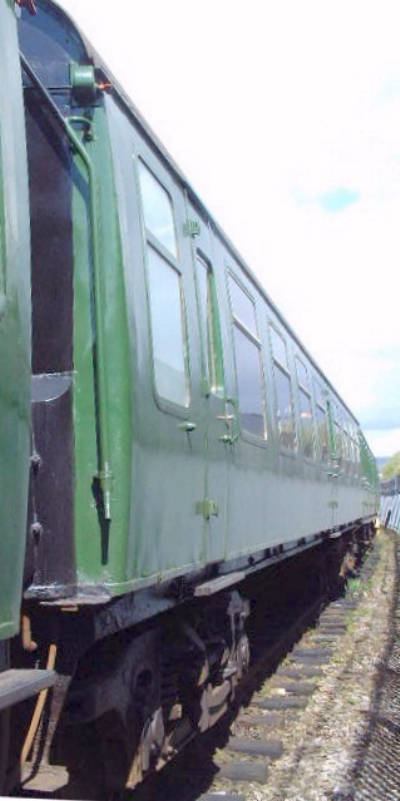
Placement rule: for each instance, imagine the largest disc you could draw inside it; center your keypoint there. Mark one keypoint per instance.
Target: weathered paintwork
(161, 489)
(14, 326)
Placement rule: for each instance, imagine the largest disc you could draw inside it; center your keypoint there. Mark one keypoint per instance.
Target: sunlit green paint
(100, 343)
(168, 470)
(14, 326)
(152, 531)
(104, 473)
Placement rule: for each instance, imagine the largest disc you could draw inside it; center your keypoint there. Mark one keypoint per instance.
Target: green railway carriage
(15, 375)
(182, 436)
(189, 412)
(14, 327)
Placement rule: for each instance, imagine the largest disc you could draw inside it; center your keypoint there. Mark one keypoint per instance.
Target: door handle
(187, 426)
(231, 420)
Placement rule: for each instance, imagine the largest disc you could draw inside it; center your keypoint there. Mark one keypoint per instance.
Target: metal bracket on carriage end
(335, 534)
(207, 507)
(218, 584)
(192, 228)
(18, 684)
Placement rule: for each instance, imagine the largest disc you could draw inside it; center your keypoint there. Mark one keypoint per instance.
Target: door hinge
(191, 228)
(207, 508)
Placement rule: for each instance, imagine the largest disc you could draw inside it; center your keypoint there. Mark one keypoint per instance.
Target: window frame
(319, 391)
(284, 369)
(347, 455)
(172, 255)
(306, 391)
(210, 329)
(255, 339)
(337, 432)
(356, 450)
(151, 241)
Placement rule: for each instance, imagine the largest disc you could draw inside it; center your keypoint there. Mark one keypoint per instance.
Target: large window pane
(322, 422)
(320, 395)
(249, 378)
(302, 375)
(322, 431)
(168, 332)
(356, 451)
(284, 408)
(338, 441)
(157, 209)
(307, 424)
(213, 368)
(337, 432)
(306, 414)
(278, 347)
(347, 447)
(243, 307)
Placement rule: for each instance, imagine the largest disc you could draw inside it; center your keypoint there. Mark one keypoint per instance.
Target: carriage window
(338, 434)
(157, 209)
(278, 348)
(243, 307)
(302, 375)
(347, 454)
(209, 324)
(248, 361)
(168, 329)
(306, 414)
(322, 423)
(284, 409)
(283, 389)
(356, 451)
(351, 447)
(249, 383)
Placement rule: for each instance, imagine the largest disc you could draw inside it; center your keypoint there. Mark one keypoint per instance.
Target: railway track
(261, 730)
(375, 775)
(243, 756)
(236, 759)
(231, 761)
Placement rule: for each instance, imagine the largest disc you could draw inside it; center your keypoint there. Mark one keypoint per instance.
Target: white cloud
(384, 443)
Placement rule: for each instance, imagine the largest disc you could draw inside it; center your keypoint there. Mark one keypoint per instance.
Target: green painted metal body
(161, 490)
(14, 326)
(185, 491)
(101, 387)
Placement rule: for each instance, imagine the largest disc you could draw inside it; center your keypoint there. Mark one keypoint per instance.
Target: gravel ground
(322, 747)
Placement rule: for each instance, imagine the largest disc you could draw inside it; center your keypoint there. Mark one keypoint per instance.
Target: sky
(285, 118)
